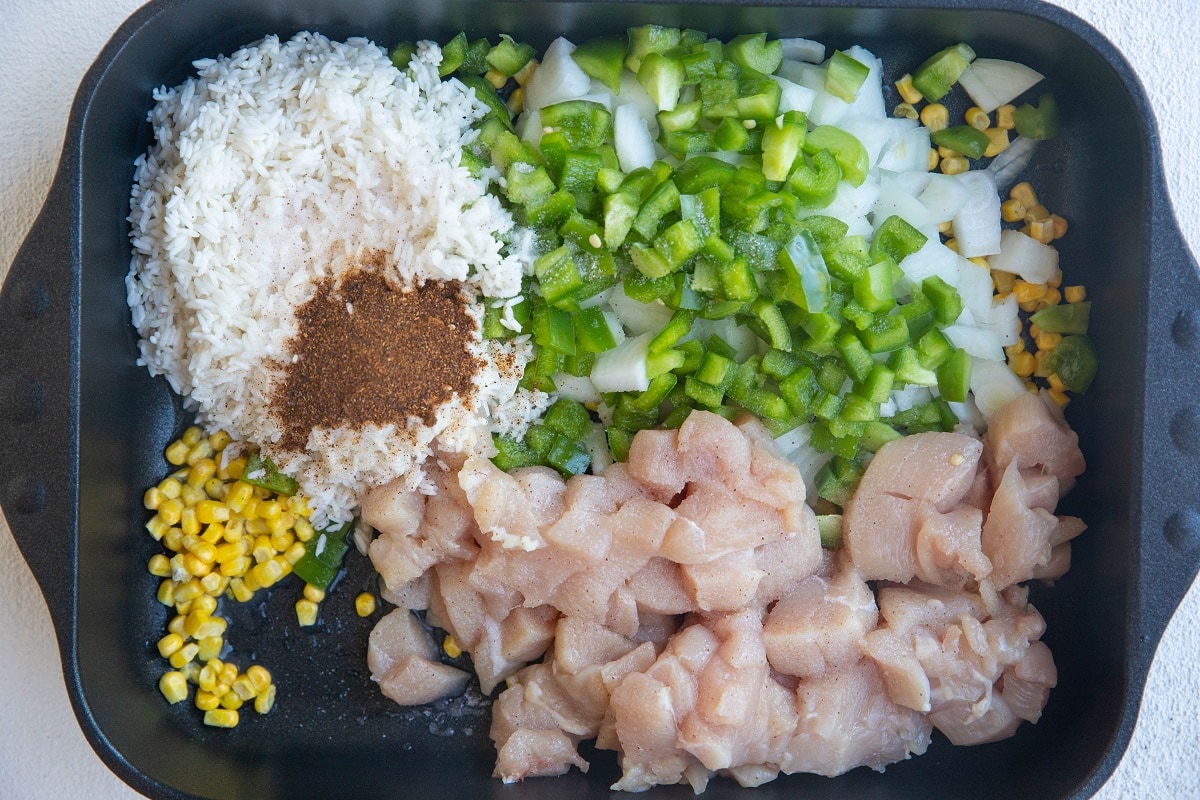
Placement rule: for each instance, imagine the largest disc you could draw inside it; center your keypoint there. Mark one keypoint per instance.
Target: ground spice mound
(370, 352)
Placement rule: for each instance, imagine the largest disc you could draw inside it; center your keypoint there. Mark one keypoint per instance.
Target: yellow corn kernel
(265, 700)
(239, 496)
(282, 540)
(298, 505)
(954, 165)
(1022, 364)
(206, 681)
(256, 527)
(306, 612)
(159, 565)
(1060, 398)
(1015, 349)
(213, 533)
(1012, 210)
(239, 590)
(1042, 230)
(205, 603)
(183, 609)
(952, 244)
(980, 261)
(195, 619)
(364, 604)
(176, 624)
(235, 567)
(1052, 297)
(243, 688)
(1039, 360)
(170, 488)
(188, 522)
(176, 453)
(304, 530)
(1060, 226)
(234, 530)
(294, 553)
(451, 648)
(229, 673)
(211, 627)
(192, 436)
(496, 78)
(933, 159)
(1023, 191)
(1028, 292)
(262, 549)
(262, 494)
(201, 451)
(184, 654)
(201, 549)
(977, 118)
(905, 111)
(191, 495)
(171, 511)
(173, 686)
(169, 645)
(1003, 281)
(153, 498)
(935, 117)
(221, 689)
(1047, 341)
(267, 573)
(1034, 330)
(945, 152)
(166, 593)
(1037, 213)
(284, 565)
(202, 470)
(313, 593)
(173, 539)
(1055, 279)
(259, 678)
(270, 509)
(190, 671)
(1005, 118)
(251, 581)
(207, 701)
(157, 527)
(189, 591)
(210, 511)
(1075, 294)
(516, 101)
(224, 553)
(232, 470)
(997, 142)
(210, 647)
(219, 441)
(196, 566)
(214, 583)
(231, 701)
(906, 89)
(1056, 383)
(526, 72)
(278, 527)
(946, 227)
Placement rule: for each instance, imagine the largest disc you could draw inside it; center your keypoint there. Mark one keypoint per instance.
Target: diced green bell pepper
(847, 150)
(934, 78)
(603, 58)
(845, 76)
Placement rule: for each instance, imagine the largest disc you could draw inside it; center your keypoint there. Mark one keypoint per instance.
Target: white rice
(279, 166)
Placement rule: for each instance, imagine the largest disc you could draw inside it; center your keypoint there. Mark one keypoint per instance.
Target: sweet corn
(152, 498)
(946, 227)
(954, 165)
(294, 553)
(1012, 210)
(997, 142)
(170, 511)
(298, 505)
(232, 470)
(1005, 117)
(157, 527)
(176, 624)
(1052, 297)
(210, 511)
(219, 441)
(229, 673)
(1027, 292)
(1015, 348)
(933, 159)
(306, 612)
(451, 647)
(1003, 281)
(1060, 398)
(267, 573)
(210, 647)
(1034, 330)
(231, 701)
(166, 593)
(1060, 226)
(906, 89)
(202, 470)
(265, 700)
(207, 680)
(173, 686)
(304, 530)
(259, 677)
(905, 111)
(262, 549)
(313, 593)
(184, 654)
(201, 451)
(213, 533)
(1022, 364)
(196, 566)
(170, 488)
(176, 453)
(945, 152)
(192, 436)
(1042, 230)
(1075, 294)
(243, 688)
(1047, 341)
(364, 604)
(952, 244)
(239, 590)
(190, 671)
(169, 645)
(1023, 191)
(235, 567)
(239, 496)
(205, 604)
(221, 718)
(935, 117)
(1056, 383)
(977, 118)
(516, 101)
(1055, 279)
(173, 539)
(1039, 368)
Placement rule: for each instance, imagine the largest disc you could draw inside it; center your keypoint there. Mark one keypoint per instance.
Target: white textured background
(47, 45)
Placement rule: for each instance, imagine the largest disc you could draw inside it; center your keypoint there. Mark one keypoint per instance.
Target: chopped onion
(894, 200)
(632, 139)
(977, 223)
(869, 100)
(557, 77)
(978, 342)
(633, 93)
(597, 446)
(993, 384)
(943, 197)
(1025, 256)
(796, 49)
(529, 127)
(992, 82)
(794, 439)
(577, 388)
(1007, 166)
(638, 317)
(873, 133)
(909, 154)
(793, 96)
(623, 369)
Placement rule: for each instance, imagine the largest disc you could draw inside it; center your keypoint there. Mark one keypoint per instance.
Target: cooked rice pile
(279, 166)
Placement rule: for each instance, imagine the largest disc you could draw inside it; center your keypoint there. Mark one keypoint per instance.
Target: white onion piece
(968, 414)
(869, 100)
(977, 223)
(794, 439)
(909, 154)
(632, 139)
(597, 445)
(638, 318)
(974, 285)
(796, 49)
(911, 181)
(943, 197)
(826, 109)
(978, 342)
(852, 201)
(793, 96)
(809, 461)
(576, 387)
(894, 200)
(557, 77)
(992, 82)
(633, 93)
(1025, 256)
(1007, 166)
(623, 369)
(743, 340)
(529, 127)
(872, 133)
(994, 385)
(911, 395)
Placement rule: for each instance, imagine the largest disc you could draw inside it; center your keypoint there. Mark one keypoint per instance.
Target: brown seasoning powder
(368, 352)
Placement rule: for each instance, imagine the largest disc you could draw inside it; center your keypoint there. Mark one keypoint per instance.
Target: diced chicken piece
(658, 588)
(847, 720)
(713, 522)
(1032, 432)
(536, 753)
(535, 727)
(416, 681)
(526, 633)
(788, 561)
(727, 583)
(511, 508)
(899, 523)
(945, 652)
(817, 626)
(397, 636)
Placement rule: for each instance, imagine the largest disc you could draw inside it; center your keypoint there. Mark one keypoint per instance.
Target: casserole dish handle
(1169, 550)
(39, 400)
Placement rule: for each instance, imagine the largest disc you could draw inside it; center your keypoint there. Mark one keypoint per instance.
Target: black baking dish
(85, 428)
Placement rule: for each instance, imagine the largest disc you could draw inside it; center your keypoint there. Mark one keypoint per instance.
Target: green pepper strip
(263, 473)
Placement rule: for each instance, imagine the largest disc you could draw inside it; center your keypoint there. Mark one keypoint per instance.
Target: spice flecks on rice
(279, 167)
